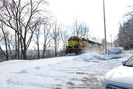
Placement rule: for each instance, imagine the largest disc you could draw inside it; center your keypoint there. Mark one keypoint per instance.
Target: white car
(120, 77)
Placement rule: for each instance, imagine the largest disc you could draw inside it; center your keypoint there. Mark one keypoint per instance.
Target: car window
(129, 62)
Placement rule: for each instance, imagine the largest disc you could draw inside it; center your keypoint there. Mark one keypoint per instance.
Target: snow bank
(89, 57)
(96, 57)
(83, 71)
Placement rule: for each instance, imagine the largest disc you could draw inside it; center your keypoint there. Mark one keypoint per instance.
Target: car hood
(122, 74)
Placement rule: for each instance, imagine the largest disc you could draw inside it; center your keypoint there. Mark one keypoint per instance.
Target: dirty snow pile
(69, 72)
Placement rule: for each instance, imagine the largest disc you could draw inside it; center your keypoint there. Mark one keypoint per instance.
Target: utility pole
(105, 41)
(111, 40)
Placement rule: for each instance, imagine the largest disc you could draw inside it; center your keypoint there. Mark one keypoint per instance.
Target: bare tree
(125, 37)
(5, 35)
(64, 39)
(76, 31)
(56, 34)
(80, 29)
(23, 18)
(84, 30)
(47, 37)
(37, 41)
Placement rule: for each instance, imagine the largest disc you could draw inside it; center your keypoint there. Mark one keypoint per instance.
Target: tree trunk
(24, 54)
(38, 50)
(44, 50)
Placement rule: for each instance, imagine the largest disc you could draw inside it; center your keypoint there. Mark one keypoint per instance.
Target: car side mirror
(123, 62)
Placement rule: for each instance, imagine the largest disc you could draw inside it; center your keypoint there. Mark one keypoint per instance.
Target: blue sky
(91, 12)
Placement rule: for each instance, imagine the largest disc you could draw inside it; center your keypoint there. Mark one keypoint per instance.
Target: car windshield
(129, 62)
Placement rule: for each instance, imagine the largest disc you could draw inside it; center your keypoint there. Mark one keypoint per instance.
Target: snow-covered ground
(69, 72)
